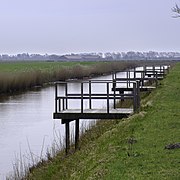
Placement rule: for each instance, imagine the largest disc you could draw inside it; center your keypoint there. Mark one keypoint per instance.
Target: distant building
(73, 57)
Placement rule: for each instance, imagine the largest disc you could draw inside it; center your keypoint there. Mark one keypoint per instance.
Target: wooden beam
(77, 134)
(67, 133)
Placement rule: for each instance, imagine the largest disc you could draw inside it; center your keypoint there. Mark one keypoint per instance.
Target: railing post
(56, 97)
(59, 105)
(160, 67)
(63, 100)
(144, 68)
(134, 98)
(90, 102)
(156, 76)
(138, 96)
(114, 75)
(129, 78)
(114, 99)
(142, 78)
(81, 97)
(163, 71)
(114, 84)
(66, 94)
(107, 97)
(168, 66)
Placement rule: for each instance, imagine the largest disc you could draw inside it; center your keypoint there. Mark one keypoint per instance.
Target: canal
(27, 127)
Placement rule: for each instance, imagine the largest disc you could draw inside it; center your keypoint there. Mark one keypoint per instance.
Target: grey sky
(65, 26)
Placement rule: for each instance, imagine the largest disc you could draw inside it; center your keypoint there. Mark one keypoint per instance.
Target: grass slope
(132, 148)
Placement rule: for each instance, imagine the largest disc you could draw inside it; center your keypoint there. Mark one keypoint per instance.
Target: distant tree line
(130, 55)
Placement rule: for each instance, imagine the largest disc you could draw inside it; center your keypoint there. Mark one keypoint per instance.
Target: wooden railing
(62, 102)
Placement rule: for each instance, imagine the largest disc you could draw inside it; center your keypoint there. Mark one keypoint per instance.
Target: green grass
(132, 148)
(31, 66)
(158, 127)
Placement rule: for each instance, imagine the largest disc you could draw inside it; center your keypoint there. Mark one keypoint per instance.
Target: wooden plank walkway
(72, 114)
(142, 88)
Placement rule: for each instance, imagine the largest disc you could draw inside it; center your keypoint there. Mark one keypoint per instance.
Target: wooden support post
(77, 135)
(67, 134)
(114, 84)
(122, 95)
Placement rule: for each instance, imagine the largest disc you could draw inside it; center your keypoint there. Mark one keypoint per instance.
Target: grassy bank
(132, 148)
(18, 76)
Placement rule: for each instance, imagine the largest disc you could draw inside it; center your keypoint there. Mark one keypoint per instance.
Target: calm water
(27, 119)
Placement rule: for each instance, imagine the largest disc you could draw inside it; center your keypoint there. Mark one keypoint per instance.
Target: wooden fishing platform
(69, 115)
(62, 110)
(115, 90)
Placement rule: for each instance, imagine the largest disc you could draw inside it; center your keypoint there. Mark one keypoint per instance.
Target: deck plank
(72, 114)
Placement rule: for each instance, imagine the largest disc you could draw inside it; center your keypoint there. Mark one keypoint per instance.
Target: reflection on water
(25, 118)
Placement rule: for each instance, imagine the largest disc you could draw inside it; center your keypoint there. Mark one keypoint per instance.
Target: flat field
(31, 66)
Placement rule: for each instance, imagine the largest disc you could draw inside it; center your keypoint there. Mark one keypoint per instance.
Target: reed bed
(11, 82)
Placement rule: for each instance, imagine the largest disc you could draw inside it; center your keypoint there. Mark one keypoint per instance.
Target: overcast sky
(74, 26)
